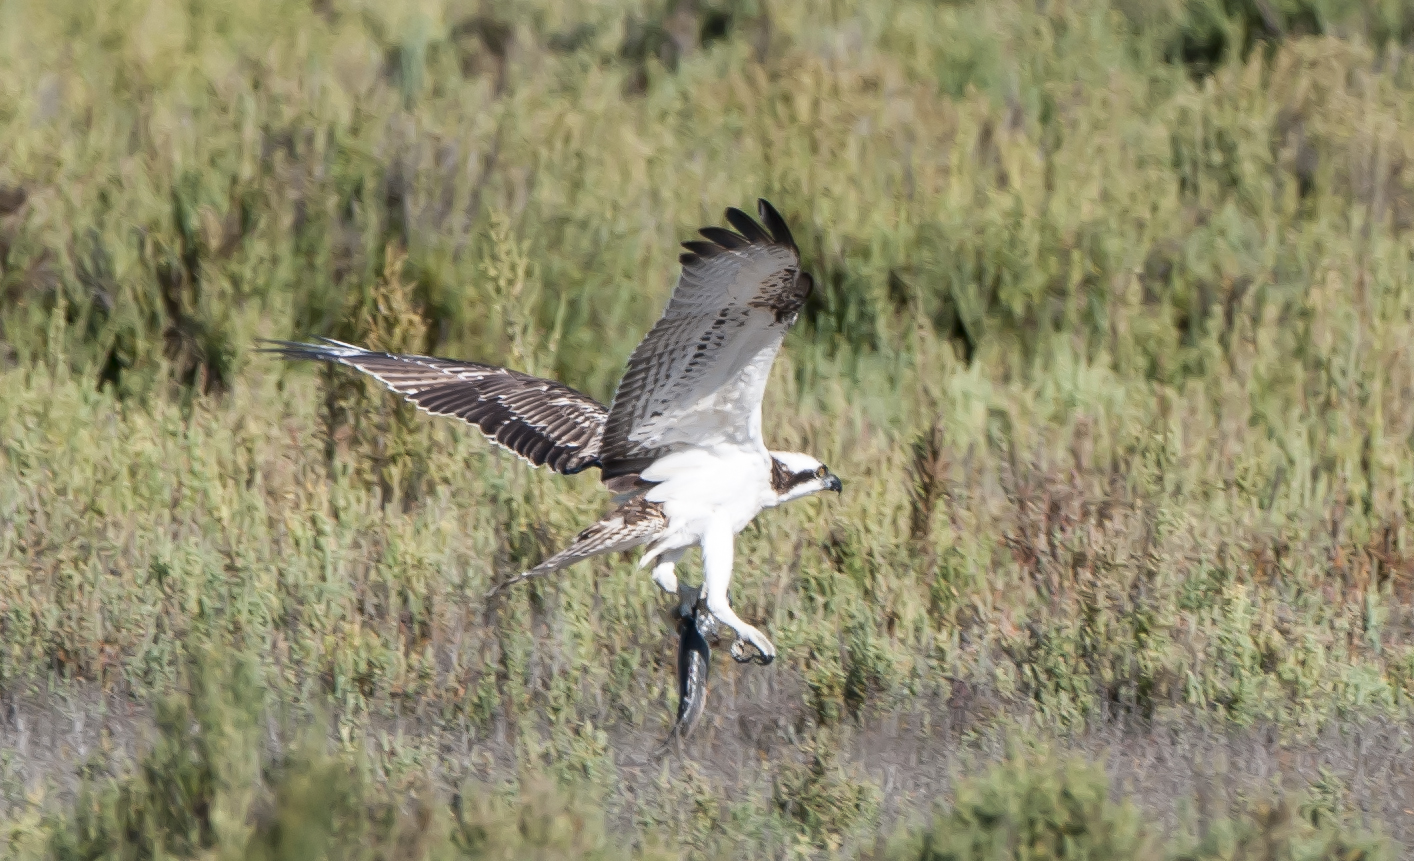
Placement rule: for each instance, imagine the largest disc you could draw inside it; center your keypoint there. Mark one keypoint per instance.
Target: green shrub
(1281, 831)
(1046, 809)
(1033, 809)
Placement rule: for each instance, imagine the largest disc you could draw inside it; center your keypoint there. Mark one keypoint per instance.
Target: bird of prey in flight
(681, 445)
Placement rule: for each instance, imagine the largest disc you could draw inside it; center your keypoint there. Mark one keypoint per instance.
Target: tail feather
(631, 525)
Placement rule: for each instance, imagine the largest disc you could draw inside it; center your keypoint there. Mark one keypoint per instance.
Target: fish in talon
(694, 663)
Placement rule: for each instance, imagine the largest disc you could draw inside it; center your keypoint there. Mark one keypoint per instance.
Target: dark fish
(695, 624)
(694, 661)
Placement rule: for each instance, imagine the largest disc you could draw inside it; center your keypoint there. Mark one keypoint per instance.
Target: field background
(1112, 345)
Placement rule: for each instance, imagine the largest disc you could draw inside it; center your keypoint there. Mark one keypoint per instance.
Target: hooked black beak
(833, 483)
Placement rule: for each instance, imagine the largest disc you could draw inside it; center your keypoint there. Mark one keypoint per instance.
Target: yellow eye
(821, 472)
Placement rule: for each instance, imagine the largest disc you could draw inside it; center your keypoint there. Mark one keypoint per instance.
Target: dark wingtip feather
(723, 237)
(292, 349)
(703, 249)
(688, 259)
(746, 225)
(272, 345)
(774, 223)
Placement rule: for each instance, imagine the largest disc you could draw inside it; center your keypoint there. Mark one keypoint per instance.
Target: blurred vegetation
(1042, 808)
(210, 787)
(1111, 345)
(207, 789)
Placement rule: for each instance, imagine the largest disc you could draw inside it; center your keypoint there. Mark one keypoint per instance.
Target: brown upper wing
(544, 422)
(699, 374)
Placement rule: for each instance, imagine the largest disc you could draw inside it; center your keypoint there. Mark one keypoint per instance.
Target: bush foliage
(1043, 808)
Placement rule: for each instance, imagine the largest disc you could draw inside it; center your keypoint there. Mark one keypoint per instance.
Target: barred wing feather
(542, 421)
(698, 377)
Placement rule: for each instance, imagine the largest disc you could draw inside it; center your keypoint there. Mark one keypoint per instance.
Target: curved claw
(760, 658)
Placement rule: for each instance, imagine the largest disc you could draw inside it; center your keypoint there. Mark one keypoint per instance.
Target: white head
(794, 475)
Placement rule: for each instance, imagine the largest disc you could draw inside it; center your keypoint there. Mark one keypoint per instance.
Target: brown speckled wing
(542, 421)
(699, 374)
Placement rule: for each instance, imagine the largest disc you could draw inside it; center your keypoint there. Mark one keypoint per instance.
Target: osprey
(681, 445)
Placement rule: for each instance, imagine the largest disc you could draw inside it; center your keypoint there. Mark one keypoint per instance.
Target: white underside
(709, 495)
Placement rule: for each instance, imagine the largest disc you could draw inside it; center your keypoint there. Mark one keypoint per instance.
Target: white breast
(722, 483)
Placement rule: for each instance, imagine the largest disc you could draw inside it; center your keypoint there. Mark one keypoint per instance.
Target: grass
(1110, 346)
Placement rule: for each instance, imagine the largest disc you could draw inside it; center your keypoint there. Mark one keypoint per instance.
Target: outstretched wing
(544, 422)
(698, 376)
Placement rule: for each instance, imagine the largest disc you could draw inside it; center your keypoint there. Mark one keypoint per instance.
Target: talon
(761, 657)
